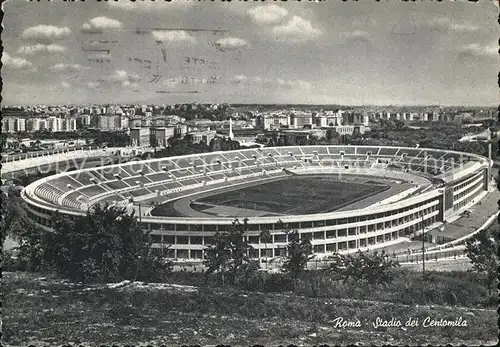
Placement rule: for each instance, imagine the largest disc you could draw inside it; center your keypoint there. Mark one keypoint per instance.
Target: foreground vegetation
(47, 310)
(232, 303)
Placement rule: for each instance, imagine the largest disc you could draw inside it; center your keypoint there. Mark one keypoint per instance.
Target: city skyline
(362, 53)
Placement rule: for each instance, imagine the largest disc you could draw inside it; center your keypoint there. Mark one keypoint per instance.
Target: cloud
(239, 78)
(230, 43)
(61, 67)
(97, 25)
(122, 75)
(356, 36)
(40, 48)
(119, 77)
(296, 29)
(93, 85)
(65, 85)
(124, 78)
(446, 24)
(45, 33)
(172, 36)
(303, 84)
(478, 50)
(146, 6)
(258, 81)
(15, 63)
(132, 85)
(268, 14)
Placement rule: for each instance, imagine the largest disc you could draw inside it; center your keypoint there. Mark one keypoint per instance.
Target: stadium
(343, 198)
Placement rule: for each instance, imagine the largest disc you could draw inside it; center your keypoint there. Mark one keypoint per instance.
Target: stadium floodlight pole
(423, 246)
(140, 216)
(489, 163)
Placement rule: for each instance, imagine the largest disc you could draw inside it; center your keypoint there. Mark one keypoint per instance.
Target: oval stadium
(343, 198)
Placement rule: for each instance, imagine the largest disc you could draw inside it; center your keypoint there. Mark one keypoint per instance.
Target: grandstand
(443, 183)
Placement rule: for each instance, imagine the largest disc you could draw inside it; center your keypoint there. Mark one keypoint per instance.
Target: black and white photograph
(250, 173)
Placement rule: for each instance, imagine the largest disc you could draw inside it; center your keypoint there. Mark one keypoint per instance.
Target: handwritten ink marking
(156, 79)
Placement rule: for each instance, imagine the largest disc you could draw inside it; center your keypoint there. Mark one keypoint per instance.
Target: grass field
(43, 310)
(296, 195)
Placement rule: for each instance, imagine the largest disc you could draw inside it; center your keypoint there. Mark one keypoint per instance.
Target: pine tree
(265, 236)
(482, 249)
(298, 254)
(229, 251)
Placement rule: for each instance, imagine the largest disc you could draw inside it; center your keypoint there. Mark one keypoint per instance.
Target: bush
(106, 245)
(437, 288)
(249, 277)
(12, 263)
(372, 268)
(278, 282)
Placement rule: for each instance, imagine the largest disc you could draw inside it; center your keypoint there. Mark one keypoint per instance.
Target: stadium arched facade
(444, 183)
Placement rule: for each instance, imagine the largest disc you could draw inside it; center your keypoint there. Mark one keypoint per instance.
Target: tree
(346, 139)
(216, 144)
(107, 244)
(218, 255)
(298, 254)
(313, 141)
(249, 277)
(229, 251)
(373, 268)
(265, 236)
(16, 225)
(13, 215)
(482, 249)
(332, 136)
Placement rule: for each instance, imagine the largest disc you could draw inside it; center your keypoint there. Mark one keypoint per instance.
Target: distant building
(180, 130)
(201, 136)
(350, 129)
(14, 112)
(124, 122)
(297, 136)
(319, 120)
(299, 121)
(274, 121)
(12, 125)
(33, 124)
(135, 122)
(160, 136)
(108, 122)
(54, 124)
(69, 124)
(112, 122)
(140, 137)
(159, 122)
(84, 120)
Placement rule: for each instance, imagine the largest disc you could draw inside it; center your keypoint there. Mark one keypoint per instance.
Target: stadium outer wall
(345, 231)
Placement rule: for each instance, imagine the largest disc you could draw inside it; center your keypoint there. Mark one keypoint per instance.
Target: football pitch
(295, 195)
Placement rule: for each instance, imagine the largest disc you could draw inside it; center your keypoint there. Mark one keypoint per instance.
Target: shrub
(249, 277)
(278, 282)
(108, 244)
(373, 268)
(11, 263)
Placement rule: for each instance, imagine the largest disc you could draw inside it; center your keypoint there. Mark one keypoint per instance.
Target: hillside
(52, 311)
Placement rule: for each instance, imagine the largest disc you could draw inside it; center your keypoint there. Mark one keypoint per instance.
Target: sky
(348, 53)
